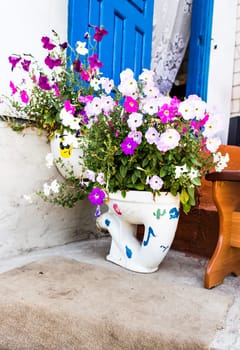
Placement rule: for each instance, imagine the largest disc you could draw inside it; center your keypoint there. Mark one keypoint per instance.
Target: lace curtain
(171, 32)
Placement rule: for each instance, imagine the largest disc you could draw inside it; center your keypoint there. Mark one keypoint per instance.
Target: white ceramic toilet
(159, 216)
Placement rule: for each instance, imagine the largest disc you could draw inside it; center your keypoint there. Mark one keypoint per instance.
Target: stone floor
(177, 268)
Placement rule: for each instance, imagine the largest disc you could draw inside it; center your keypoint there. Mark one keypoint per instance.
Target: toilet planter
(68, 154)
(159, 214)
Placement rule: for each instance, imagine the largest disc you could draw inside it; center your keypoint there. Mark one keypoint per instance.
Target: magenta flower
(55, 87)
(96, 197)
(52, 62)
(14, 61)
(43, 83)
(131, 105)
(77, 66)
(25, 65)
(128, 146)
(99, 33)
(47, 43)
(85, 75)
(69, 107)
(24, 96)
(13, 87)
(166, 113)
(94, 62)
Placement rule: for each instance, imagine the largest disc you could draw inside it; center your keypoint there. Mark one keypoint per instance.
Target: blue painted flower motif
(174, 213)
(107, 222)
(128, 252)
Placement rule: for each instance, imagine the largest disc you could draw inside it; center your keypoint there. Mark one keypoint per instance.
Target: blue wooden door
(199, 48)
(129, 23)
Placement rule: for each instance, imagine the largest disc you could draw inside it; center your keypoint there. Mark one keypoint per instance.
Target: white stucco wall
(222, 60)
(25, 226)
(22, 24)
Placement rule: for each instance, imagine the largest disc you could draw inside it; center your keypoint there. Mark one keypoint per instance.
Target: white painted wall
(25, 226)
(222, 60)
(22, 24)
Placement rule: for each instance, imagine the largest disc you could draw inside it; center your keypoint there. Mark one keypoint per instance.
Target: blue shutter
(199, 47)
(129, 23)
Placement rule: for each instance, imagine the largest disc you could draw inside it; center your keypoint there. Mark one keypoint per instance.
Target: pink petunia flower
(24, 96)
(94, 61)
(47, 43)
(130, 104)
(13, 87)
(99, 33)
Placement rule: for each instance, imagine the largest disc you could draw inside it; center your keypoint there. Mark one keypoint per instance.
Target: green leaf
(139, 187)
(144, 162)
(123, 171)
(184, 196)
(196, 181)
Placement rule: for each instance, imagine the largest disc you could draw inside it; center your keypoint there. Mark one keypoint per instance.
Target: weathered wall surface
(25, 226)
(235, 107)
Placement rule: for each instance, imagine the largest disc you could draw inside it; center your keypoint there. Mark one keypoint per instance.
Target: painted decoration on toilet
(159, 214)
(68, 153)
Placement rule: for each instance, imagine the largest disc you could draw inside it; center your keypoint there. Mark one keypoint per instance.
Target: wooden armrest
(226, 175)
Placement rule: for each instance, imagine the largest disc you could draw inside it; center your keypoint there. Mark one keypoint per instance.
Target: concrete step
(69, 297)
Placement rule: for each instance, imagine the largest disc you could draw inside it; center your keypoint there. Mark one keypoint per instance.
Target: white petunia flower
(94, 107)
(155, 182)
(90, 175)
(126, 74)
(193, 174)
(95, 83)
(49, 160)
(135, 120)
(54, 186)
(46, 189)
(221, 161)
(81, 49)
(107, 103)
(180, 170)
(213, 143)
(107, 84)
(150, 105)
(100, 178)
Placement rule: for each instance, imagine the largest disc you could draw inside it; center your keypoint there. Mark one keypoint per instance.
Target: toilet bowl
(159, 214)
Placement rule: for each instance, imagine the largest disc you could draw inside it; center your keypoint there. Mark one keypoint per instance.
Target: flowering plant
(138, 139)
(61, 81)
(135, 138)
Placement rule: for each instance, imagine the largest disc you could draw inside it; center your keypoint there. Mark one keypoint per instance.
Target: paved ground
(177, 268)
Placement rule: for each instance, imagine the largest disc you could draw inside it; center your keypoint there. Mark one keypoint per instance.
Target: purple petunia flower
(64, 45)
(43, 83)
(14, 61)
(128, 146)
(47, 43)
(52, 62)
(155, 182)
(96, 197)
(25, 65)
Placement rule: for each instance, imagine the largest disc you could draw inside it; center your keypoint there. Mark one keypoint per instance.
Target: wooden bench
(200, 232)
(226, 257)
